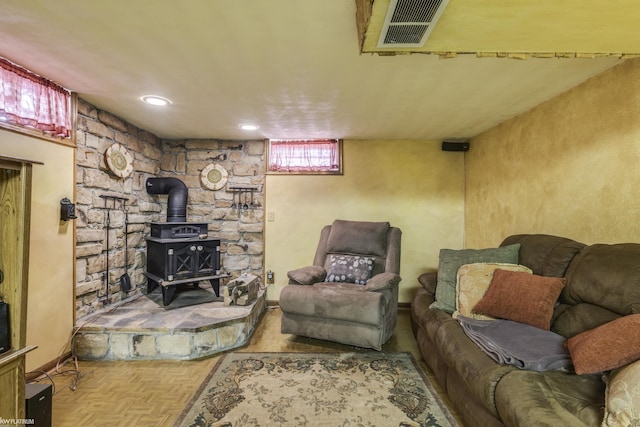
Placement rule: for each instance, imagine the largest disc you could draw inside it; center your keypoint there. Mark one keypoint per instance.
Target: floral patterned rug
(316, 389)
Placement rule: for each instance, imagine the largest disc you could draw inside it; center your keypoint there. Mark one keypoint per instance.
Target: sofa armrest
(429, 281)
(382, 281)
(307, 275)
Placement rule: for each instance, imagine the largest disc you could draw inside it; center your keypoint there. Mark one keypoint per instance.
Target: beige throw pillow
(472, 282)
(622, 400)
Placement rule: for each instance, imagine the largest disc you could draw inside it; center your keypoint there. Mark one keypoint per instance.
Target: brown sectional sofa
(603, 284)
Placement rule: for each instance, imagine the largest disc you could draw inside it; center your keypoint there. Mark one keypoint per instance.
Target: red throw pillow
(606, 347)
(521, 297)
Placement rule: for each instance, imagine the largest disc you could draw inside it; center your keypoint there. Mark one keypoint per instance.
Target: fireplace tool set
(116, 203)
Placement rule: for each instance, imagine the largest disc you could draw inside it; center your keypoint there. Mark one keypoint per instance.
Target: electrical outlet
(271, 216)
(270, 277)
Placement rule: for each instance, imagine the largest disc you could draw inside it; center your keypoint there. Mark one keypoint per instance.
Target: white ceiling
(291, 66)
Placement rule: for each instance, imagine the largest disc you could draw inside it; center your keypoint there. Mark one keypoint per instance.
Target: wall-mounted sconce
(67, 210)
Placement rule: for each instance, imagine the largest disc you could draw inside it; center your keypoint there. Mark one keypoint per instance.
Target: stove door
(176, 259)
(208, 256)
(182, 261)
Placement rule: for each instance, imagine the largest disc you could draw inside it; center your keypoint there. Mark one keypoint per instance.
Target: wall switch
(271, 216)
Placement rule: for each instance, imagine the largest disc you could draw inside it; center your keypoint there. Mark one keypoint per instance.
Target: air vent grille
(405, 34)
(409, 22)
(415, 10)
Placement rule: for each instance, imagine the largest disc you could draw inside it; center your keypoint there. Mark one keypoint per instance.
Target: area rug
(316, 389)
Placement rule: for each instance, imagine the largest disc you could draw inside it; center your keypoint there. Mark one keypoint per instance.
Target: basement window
(35, 106)
(304, 156)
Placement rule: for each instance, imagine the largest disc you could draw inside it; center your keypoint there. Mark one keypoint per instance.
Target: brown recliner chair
(350, 293)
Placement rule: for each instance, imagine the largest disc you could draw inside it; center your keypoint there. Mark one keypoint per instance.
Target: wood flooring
(153, 393)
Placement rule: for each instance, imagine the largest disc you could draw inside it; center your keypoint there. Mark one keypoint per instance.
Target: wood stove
(188, 258)
(179, 252)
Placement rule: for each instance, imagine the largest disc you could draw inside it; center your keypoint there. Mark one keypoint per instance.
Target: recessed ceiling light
(249, 127)
(155, 100)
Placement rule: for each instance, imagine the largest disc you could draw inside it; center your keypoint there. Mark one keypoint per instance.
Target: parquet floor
(153, 393)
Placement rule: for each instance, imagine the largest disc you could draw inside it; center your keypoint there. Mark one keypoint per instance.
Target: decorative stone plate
(214, 176)
(119, 160)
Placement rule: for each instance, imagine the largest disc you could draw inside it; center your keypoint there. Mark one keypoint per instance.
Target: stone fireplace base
(141, 330)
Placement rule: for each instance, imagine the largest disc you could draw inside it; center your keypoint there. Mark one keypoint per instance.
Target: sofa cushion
(349, 269)
(339, 301)
(521, 297)
(546, 255)
(571, 320)
(463, 356)
(358, 237)
(606, 347)
(622, 398)
(554, 398)
(472, 283)
(451, 260)
(607, 276)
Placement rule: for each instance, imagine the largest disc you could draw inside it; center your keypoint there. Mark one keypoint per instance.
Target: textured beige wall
(51, 264)
(567, 167)
(412, 184)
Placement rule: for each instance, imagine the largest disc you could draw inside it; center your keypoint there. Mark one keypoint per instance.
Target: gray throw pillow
(451, 260)
(349, 269)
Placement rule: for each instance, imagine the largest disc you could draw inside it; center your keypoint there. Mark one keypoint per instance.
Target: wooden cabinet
(15, 201)
(12, 382)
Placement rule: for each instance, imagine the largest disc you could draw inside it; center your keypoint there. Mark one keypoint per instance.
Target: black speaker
(455, 146)
(5, 342)
(39, 399)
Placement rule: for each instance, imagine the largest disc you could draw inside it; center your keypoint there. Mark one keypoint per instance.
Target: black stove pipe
(177, 199)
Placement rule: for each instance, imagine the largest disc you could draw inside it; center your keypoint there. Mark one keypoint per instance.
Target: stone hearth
(142, 330)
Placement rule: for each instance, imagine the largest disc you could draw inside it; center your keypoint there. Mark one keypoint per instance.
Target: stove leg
(151, 285)
(215, 285)
(167, 294)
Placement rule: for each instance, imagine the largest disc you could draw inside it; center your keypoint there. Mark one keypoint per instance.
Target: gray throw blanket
(518, 344)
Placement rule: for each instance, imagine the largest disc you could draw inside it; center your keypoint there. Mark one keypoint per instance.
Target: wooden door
(15, 197)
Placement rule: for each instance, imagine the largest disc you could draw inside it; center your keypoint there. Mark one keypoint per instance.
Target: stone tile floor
(145, 313)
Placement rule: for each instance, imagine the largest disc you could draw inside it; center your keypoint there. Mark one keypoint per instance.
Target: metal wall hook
(245, 206)
(242, 193)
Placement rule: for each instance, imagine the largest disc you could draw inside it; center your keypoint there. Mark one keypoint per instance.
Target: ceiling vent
(409, 22)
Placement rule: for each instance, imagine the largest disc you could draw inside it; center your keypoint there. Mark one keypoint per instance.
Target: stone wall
(241, 231)
(97, 130)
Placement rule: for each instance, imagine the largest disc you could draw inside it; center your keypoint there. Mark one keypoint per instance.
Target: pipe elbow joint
(177, 196)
